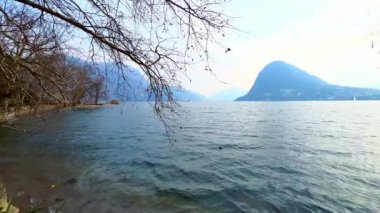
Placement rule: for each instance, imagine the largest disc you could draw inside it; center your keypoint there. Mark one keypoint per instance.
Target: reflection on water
(288, 156)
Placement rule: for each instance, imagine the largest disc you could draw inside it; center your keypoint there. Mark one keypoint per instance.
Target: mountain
(227, 95)
(132, 88)
(136, 86)
(280, 81)
(181, 94)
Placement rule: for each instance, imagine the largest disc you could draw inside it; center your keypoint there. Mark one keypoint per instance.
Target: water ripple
(237, 157)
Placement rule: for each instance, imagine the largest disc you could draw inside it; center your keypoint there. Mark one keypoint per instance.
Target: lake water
(224, 157)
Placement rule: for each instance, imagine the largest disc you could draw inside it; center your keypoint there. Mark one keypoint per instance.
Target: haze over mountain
(135, 88)
(280, 81)
(228, 94)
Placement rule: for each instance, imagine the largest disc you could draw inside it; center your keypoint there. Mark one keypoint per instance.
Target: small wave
(334, 153)
(128, 137)
(328, 121)
(327, 136)
(243, 200)
(286, 170)
(238, 146)
(250, 136)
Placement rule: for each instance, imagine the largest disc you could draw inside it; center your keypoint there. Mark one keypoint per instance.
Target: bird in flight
(227, 50)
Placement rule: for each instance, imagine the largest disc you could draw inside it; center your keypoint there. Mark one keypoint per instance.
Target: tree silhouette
(162, 37)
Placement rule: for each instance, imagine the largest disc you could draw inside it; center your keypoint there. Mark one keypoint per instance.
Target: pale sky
(328, 38)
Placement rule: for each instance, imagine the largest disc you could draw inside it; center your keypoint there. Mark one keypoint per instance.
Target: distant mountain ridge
(280, 81)
(227, 95)
(134, 87)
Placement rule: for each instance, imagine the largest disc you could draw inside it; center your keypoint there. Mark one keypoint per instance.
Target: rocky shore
(44, 183)
(5, 201)
(40, 181)
(36, 183)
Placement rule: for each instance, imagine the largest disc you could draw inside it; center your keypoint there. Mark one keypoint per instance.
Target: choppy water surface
(225, 157)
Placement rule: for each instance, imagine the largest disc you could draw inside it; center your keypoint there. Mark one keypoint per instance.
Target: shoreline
(13, 116)
(41, 180)
(48, 183)
(37, 183)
